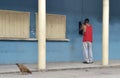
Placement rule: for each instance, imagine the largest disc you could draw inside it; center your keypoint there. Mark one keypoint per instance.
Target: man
(87, 42)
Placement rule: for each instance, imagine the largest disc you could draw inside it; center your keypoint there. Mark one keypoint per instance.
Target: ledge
(10, 39)
(58, 40)
(34, 39)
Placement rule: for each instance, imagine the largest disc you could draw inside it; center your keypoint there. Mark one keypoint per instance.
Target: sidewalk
(4, 69)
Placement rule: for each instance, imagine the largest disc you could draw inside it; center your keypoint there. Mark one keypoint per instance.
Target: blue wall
(75, 11)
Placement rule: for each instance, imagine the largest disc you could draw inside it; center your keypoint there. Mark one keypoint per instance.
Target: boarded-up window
(55, 26)
(14, 24)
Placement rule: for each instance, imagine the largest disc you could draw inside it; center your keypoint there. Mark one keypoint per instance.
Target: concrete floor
(80, 73)
(60, 66)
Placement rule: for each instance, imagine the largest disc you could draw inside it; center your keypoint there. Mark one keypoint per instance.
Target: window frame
(9, 14)
(52, 39)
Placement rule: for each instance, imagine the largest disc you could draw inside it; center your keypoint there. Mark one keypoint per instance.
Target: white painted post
(105, 36)
(41, 34)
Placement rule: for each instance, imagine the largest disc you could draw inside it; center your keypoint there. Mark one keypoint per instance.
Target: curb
(83, 68)
(63, 69)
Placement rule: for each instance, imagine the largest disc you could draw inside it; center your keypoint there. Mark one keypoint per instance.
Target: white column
(105, 36)
(41, 34)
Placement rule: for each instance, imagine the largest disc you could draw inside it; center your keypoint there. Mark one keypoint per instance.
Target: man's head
(86, 21)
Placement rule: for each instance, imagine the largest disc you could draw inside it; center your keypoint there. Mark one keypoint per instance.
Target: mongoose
(23, 69)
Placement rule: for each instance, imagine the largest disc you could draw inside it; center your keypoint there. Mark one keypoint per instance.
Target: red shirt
(88, 34)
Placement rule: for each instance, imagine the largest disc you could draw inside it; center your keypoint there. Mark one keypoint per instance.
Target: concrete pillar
(41, 34)
(105, 35)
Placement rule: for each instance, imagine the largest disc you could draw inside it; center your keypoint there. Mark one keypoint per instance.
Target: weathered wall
(75, 11)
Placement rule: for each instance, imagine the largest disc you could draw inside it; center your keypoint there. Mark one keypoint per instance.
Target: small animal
(23, 69)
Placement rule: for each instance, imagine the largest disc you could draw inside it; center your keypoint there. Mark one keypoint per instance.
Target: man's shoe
(91, 62)
(85, 62)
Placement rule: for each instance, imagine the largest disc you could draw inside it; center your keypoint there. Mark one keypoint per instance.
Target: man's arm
(83, 28)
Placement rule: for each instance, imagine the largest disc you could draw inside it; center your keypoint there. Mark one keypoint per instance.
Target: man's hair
(86, 21)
